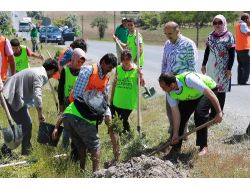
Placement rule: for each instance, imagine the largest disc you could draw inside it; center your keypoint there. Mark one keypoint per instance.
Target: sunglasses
(219, 23)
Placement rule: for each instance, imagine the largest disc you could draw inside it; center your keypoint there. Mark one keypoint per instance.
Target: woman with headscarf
(219, 57)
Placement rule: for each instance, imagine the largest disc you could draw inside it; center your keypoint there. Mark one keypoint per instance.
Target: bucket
(45, 134)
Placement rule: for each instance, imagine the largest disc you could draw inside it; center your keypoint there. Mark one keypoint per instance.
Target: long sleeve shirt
(25, 85)
(180, 56)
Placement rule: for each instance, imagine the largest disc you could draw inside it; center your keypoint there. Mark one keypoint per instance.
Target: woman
(219, 57)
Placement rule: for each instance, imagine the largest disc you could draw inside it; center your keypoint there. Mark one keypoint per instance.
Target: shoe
(6, 152)
(203, 151)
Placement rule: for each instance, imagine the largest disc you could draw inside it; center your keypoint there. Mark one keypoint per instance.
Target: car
(68, 34)
(51, 34)
(24, 26)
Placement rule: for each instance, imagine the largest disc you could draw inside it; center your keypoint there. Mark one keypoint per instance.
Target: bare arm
(12, 63)
(38, 56)
(215, 102)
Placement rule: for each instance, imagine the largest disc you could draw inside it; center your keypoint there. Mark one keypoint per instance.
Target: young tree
(72, 22)
(101, 23)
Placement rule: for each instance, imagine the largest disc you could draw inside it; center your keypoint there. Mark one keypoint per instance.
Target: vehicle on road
(68, 34)
(24, 26)
(51, 34)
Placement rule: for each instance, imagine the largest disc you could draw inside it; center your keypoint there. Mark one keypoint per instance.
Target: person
(179, 55)
(67, 81)
(242, 46)
(66, 54)
(21, 54)
(82, 116)
(6, 58)
(131, 42)
(188, 93)
(121, 33)
(34, 38)
(18, 90)
(124, 96)
(219, 57)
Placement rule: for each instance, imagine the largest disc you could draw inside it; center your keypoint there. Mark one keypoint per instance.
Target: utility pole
(114, 21)
(82, 26)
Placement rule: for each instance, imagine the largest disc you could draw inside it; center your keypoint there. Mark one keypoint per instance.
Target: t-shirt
(122, 33)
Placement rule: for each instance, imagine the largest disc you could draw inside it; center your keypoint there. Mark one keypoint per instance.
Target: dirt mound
(141, 167)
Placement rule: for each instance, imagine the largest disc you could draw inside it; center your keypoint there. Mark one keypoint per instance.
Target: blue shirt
(66, 57)
(180, 56)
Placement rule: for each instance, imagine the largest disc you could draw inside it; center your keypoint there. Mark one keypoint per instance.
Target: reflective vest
(22, 61)
(133, 47)
(70, 81)
(242, 40)
(125, 94)
(95, 82)
(4, 58)
(188, 93)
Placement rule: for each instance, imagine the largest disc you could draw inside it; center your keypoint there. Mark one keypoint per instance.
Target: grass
(224, 160)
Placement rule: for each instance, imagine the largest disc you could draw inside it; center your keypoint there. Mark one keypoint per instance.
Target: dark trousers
(201, 108)
(221, 97)
(123, 114)
(22, 117)
(243, 58)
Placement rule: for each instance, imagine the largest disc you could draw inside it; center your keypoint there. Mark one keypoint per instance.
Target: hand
(203, 70)
(175, 139)
(229, 74)
(55, 134)
(142, 82)
(41, 57)
(41, 118)
(218, 117)
(107, 120)
(114, 37)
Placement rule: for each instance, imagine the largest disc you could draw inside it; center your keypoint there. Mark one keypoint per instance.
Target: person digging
(189, 93)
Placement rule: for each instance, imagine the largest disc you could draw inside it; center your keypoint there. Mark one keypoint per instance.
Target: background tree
(150, 20)
(72, 22)
(101, 23)
(5, 23)
(35, 14)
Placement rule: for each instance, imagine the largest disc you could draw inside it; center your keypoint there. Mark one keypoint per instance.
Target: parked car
(52, 34)
(68, 34)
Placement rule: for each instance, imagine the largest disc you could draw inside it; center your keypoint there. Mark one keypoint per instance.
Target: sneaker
(203, 151)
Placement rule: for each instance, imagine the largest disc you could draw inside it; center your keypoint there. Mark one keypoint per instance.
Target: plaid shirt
(83, 80)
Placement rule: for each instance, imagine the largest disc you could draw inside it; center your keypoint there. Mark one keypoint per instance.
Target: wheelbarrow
(13, 134)
(45, 134)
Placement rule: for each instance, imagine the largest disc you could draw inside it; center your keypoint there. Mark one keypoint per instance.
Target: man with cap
(121, 33)
(67, 81)
(18, 90)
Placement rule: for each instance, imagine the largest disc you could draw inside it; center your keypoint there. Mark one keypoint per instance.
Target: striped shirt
(180, 56)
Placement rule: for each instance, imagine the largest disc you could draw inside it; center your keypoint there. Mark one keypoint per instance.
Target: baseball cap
(124, 19)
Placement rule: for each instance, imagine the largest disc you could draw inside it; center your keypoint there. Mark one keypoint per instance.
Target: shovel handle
(167, 144)
(118, 43)
(6, 109)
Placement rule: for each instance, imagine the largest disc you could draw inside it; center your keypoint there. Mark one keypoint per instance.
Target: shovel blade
(149, 93)
(13, 136)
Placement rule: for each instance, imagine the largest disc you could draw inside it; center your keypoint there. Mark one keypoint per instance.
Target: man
(67, 81)
(131, 43)
(6, 57)
(242, 34)
(187, 93)
(21, 54)
(180, 55)
(19, 90)
(121, 32)
(66, 54)
(34, 38)
(90, 105)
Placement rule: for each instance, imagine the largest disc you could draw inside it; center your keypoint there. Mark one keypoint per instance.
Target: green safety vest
(72, 110)
(22, 61)
(125, 95)
(70, 81)
(133, 47)
(188, 93)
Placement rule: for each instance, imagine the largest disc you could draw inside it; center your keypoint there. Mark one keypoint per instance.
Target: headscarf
(224, 25)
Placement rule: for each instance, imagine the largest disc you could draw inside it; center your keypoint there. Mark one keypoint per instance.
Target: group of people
(83, 90)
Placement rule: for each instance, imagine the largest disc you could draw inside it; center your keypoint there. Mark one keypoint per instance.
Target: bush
(150, 20)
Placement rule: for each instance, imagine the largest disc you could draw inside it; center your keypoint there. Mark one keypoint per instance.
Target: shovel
(12, 135)
(167, 144)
